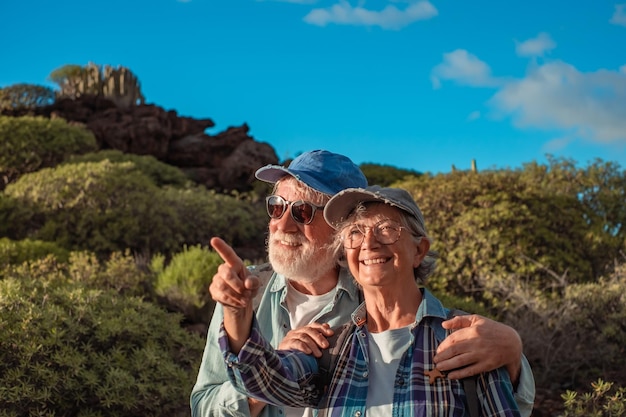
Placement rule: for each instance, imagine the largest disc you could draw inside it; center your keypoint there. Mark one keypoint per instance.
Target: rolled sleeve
(525, 392)
(213, 394)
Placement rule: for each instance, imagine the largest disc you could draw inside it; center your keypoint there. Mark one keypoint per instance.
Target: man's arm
(213, 395)
(478, 345)
(283, 378)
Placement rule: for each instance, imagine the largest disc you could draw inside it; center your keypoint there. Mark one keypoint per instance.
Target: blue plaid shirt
(291, 377)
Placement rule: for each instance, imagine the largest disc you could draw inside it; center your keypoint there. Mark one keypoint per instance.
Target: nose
(286, 223)
(369, 240)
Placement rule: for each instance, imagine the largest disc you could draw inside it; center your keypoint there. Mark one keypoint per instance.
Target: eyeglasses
(385, 232)
(301, 211)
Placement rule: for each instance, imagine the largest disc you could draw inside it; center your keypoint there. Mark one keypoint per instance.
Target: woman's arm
(279, 377)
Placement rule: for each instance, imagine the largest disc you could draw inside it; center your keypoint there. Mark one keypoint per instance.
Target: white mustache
(290, 238)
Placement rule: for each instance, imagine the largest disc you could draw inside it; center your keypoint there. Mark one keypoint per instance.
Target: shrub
(15, 218)
(576, 334)
(202, 213)
(102, 207)
(525, 222)
(70, 350)
(159, 172)
(184, 282)
(28, 144)
(25, 96)
(120, 273)
(18, 252)
(605, 400)
(386, 175)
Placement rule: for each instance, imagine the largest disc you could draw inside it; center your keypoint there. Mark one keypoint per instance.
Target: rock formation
(225, 161)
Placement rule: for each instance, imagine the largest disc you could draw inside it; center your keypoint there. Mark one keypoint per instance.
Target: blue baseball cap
(321, 170)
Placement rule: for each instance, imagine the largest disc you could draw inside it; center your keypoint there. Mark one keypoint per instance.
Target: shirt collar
(429, 307)
(345, 283)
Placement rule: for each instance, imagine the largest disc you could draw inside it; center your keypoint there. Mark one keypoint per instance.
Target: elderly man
(308, 288)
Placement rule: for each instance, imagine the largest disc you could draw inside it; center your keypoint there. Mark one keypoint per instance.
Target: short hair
(309, 194)
(416, 228)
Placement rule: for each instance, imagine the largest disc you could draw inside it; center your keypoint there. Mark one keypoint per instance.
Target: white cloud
(557, 144)
(475, 115)
(535, 46)
(465, 69)
(557, 96)
(390, 17)
(619, 17)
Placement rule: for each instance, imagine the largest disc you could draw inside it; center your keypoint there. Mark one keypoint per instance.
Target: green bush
(159, 172)
(25, 96)
(386, 175)
(526, 222)
(28, 144)
(575, 335)
(70, 350)
(17, 221)
(184, 282)
(109, 207)
(17, 252)
(239, 220)
(605, 400)
(101, 207)
(121, 273)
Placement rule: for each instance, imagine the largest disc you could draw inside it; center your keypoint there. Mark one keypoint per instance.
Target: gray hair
(308, 193)
(416, 228)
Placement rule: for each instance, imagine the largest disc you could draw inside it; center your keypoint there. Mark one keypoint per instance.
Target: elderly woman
(386, 367)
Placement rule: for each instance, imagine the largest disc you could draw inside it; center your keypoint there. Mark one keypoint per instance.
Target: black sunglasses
(301, 211)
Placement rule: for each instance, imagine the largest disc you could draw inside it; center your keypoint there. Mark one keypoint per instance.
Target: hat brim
(341, 205)
(271, 173)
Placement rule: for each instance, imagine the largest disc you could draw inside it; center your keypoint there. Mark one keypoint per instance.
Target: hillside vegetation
(104, 268)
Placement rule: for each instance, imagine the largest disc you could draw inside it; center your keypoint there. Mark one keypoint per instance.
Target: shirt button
(357, 414)
(365, 374)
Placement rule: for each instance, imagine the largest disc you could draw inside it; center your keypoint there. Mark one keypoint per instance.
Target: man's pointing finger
(227, 254)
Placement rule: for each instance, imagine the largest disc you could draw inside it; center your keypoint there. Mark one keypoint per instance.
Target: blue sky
(414, 84)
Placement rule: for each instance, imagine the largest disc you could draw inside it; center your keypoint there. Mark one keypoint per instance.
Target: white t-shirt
(385, 351)
(303, 308)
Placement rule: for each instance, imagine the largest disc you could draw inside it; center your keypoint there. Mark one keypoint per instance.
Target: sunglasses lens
(302, 212)
(275, 207)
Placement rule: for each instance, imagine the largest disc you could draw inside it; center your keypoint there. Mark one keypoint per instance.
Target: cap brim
(271, 173)
(341, 205)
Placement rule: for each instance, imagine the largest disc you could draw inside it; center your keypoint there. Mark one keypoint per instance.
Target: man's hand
(477, 345)
(231, 285)
(310, 339)
(234, 288)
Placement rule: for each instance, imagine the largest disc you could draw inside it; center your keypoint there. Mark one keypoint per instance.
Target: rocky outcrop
(225, 161)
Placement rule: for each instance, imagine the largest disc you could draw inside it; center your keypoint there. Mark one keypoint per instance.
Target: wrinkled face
(377, 264)
(299, 252)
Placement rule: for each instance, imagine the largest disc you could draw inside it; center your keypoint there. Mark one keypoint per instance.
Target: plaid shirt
(290, 377)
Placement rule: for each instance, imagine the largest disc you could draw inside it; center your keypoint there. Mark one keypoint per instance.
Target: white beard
(304, 263)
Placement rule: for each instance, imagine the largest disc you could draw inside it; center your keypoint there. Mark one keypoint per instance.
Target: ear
(422, 250)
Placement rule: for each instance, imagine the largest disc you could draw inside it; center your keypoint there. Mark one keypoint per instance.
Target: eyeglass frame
(359, 227)
(289, 205)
